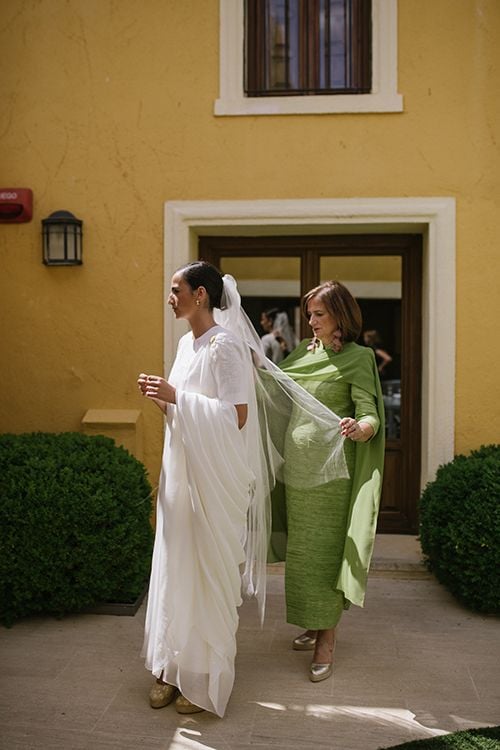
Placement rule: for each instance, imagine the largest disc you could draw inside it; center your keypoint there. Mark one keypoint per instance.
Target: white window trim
(384, 96)
(434, 218)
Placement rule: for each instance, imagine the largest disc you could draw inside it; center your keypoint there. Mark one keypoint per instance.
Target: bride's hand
(158, 388)
(141, 383)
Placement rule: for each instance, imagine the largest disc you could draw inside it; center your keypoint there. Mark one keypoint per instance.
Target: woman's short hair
(340, 303)
(200, 273)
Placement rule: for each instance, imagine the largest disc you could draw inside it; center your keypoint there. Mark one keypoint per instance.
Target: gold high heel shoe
(304, 642)
(161, 694)
(184, 706)
(319, 672)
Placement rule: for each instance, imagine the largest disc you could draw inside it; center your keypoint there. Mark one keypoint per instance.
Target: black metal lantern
(62, 239)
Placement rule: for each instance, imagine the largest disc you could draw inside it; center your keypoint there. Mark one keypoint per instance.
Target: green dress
(330, 529)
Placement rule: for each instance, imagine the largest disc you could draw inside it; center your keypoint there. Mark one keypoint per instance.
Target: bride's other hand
(158, 388)
(142, 382)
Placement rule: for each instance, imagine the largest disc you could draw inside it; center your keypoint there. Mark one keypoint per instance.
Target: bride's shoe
(184, 706)
(304, 642)
(161, 694)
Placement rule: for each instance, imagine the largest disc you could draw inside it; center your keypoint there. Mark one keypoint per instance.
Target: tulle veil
(279, 405)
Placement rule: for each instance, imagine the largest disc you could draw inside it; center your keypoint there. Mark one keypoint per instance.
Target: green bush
(460, 528)
(484, 738)
(74, 524)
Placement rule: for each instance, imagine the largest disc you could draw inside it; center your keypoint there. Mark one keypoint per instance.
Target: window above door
(307, 47)
(308, 57)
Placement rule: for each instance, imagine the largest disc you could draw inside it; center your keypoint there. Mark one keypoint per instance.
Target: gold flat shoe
(161, 694)
(303, 643)
(319, 672)
(184, 706)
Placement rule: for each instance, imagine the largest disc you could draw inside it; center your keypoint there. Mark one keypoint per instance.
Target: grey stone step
(394, 556)
(399, 556)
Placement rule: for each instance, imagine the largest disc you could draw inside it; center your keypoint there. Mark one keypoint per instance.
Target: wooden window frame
(383, 97)
(358, 59)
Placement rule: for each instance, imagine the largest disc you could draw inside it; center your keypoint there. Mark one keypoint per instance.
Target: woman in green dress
(331, 527)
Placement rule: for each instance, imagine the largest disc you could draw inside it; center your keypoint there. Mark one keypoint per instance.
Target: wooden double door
(384, 272)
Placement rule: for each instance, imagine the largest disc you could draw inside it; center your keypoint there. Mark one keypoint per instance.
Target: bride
(203, 499)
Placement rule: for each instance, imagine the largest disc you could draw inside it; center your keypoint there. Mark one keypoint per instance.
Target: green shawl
(355, 365)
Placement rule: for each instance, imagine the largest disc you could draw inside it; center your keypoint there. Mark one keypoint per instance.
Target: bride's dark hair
(200, 273)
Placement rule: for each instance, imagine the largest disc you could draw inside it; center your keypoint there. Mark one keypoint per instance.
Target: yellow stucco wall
(107, 111)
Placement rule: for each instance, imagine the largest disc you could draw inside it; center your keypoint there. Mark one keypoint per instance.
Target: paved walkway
(412, 664)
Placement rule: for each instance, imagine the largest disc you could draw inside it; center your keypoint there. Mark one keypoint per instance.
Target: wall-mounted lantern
(62, 239)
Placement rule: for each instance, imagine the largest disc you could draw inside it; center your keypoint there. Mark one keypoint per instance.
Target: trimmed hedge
(486, 738)
(460, 528)
(74, 524)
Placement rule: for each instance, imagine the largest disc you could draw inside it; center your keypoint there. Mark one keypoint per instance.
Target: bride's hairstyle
(200, 273)
(341, 305)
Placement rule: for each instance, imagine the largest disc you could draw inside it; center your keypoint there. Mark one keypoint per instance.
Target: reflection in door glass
(375, 281)
(270, 295)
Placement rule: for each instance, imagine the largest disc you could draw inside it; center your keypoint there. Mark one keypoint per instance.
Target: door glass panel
(269, 285)
(375, 281)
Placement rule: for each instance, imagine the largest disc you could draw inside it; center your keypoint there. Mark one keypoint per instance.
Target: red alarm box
(16, 205)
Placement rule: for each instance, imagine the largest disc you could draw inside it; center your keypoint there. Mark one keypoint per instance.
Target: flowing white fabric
(282, 406)
(272, 348)
(201, 530)
(282, 401)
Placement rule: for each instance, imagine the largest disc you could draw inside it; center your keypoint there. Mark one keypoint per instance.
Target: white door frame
(434, 218)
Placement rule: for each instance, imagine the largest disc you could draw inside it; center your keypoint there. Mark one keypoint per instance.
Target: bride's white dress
(205, 487)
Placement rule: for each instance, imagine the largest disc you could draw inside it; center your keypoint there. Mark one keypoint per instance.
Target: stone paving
(412, 664)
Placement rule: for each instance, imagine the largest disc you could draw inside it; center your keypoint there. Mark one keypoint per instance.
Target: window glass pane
(269, 284)
(375, 281)
(333, 44)
(372, 269)
(282, 44)
(323, 43)
(339, 41)
(278, 274)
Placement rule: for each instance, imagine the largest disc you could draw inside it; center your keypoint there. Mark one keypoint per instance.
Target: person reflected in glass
(331, 527)
(372, 339)
(280, 338)
(274, 345)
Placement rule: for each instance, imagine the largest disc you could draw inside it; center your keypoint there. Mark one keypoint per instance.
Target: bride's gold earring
(198, 302)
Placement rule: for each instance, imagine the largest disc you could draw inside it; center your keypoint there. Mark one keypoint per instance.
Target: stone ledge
(126, 417)
(123, 425)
